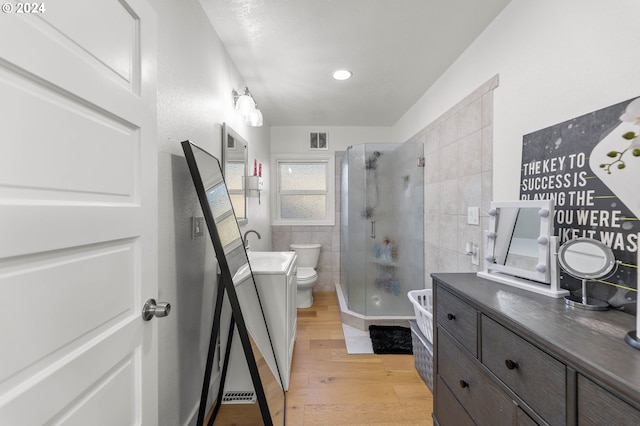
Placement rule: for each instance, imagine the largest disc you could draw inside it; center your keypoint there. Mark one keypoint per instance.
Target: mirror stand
(584, 301)
(632, 337)
(237, 320)
(215, 329)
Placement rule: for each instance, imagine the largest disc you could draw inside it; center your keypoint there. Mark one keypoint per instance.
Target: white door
(78, 213)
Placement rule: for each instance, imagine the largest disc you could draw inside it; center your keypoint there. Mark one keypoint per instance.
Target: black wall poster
(590, 167)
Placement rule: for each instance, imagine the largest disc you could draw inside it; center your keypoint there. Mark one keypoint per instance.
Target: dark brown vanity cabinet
(506, 356)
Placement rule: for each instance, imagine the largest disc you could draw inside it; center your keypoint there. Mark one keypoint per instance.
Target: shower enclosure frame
(382, 227)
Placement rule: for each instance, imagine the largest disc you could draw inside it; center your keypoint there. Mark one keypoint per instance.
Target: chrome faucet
(245, 241)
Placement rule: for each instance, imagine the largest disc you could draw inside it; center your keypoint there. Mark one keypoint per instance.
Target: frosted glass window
(303, 177)
(305, 189)
(303, 206)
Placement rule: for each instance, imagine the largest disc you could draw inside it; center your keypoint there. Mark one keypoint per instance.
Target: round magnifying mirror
(586, 259)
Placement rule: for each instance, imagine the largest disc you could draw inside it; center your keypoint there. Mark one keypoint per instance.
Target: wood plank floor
(330, 387)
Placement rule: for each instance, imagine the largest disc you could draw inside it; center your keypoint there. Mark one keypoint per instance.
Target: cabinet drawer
(596, 406)
(485, 402)
(448, 410)
(535, 376)
(458, 318)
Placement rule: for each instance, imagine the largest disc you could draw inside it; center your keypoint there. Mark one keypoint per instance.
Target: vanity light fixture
(342, 74)
(246, 105)
(255, 117)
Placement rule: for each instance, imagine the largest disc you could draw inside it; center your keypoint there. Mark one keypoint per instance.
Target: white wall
(295, 139)
(557, 59)
(195, 80)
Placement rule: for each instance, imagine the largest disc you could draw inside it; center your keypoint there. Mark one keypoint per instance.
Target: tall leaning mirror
(238, 285)
(235, 168)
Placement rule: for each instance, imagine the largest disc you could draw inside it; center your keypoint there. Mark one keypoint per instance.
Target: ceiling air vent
(318, 141)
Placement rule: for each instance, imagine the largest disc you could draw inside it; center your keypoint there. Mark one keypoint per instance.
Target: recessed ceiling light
(342, 74)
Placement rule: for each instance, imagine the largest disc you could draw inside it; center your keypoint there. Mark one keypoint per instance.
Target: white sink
(273, 262)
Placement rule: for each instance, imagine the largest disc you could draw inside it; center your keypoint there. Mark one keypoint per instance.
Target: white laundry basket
(422, 354)
(422, 301)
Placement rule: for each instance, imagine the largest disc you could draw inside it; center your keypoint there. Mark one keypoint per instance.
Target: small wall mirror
(520, 246)
(586, 259)
(235, 167)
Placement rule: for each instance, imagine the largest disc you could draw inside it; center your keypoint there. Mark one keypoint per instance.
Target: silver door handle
(373, 229)
(152, 309)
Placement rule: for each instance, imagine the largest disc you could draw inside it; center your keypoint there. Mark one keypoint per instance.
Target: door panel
(63, 387)
(78, 275)
(115, 55)
(78, 215)
(50, 170)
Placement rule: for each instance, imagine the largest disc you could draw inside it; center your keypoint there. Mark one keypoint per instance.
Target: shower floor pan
(362, 322)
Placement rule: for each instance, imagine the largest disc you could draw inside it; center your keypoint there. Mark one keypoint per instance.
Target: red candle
(260, 169)
(255, 167)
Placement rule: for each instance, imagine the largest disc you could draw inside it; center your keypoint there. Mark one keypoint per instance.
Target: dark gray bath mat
(390, 339)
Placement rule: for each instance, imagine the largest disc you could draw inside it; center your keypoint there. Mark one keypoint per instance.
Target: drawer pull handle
(451, 317)
(464, 384)
(511, 365)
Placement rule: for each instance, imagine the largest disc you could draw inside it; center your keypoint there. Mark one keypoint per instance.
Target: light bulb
(245, 105)
(255, 118)
(342, 74)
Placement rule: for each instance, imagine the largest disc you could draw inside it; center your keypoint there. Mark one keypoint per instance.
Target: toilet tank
(308, 254)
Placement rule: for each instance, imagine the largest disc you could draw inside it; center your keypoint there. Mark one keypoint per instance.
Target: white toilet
(308, 255)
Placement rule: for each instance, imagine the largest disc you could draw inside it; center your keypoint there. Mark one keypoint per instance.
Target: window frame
(330, 213)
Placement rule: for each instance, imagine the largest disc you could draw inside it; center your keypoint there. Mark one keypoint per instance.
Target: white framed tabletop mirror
(520, 247)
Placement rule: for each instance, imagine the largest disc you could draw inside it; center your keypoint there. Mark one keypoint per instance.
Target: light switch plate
(197, 227)
(473, 215)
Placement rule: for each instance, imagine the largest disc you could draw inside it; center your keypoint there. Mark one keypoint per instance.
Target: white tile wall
(458, 172)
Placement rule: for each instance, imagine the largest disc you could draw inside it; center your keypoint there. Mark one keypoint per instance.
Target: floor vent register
(239, 397)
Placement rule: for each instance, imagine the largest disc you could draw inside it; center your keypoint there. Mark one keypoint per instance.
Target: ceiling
(287, 50)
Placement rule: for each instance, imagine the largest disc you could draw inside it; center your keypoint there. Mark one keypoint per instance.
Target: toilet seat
(306, 275)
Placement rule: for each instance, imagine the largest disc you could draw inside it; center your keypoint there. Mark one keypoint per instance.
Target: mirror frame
(541, 272)
(542, 279)
(610, 260)
(234, 147)
(229, 280)
(584, 301)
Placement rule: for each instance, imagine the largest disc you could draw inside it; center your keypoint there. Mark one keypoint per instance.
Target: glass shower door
(382, 283)
(370, 255)
(382, 227)
(407, 191)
